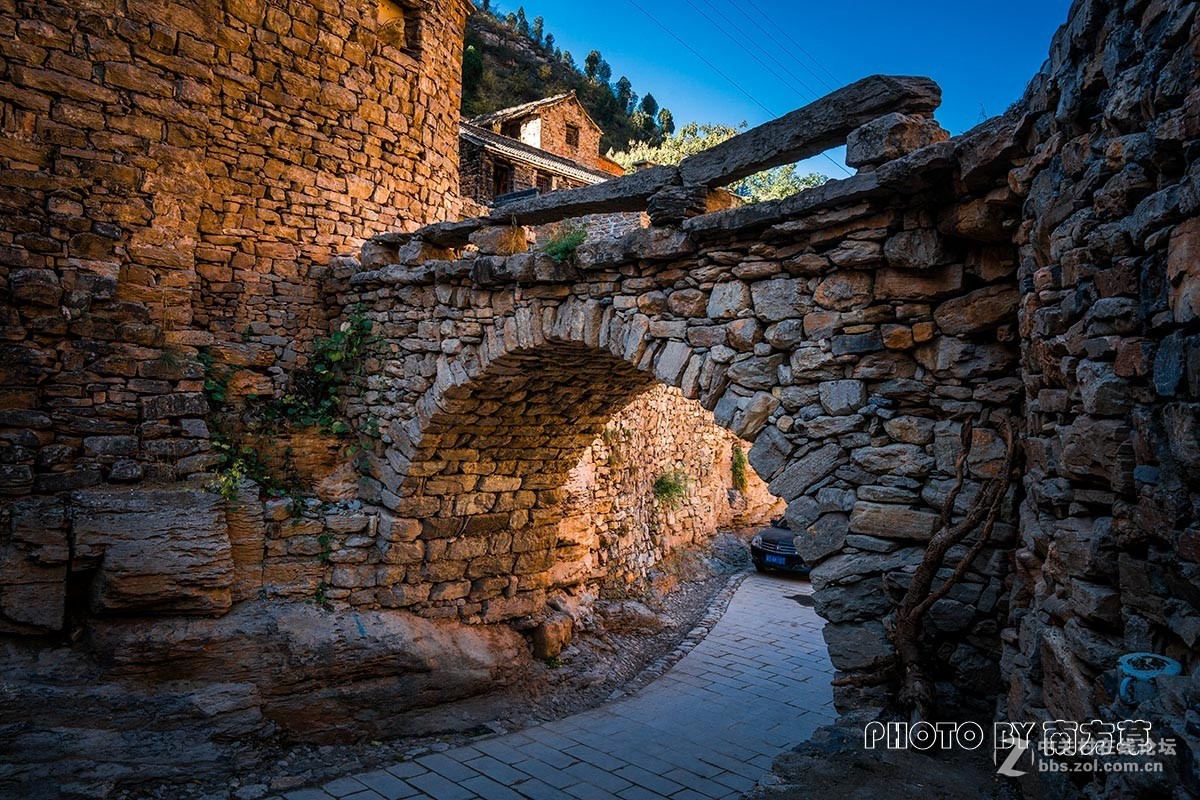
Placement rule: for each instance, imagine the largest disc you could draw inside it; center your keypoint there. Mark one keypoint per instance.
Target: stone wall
(848, 339)
(552, 135)
(1108, 561)
(611, 516)
(176, 176)
(477, 175)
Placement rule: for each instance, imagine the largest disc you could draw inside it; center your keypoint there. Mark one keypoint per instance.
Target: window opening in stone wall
(400, 26)
(544, 182)
(501, 179)
(573, 136)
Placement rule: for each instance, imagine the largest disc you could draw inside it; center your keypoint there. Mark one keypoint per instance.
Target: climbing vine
(314, 396)
(737, 467)
(313, 399)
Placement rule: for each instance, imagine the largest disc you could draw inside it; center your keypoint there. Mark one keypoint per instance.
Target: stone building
(547, 145)
(176, 179)
(179, 176)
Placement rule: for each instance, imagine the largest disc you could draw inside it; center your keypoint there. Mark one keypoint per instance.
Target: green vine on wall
(312, 400)
(737, 467)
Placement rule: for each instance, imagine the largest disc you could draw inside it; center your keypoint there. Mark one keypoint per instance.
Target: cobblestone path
(708, 728)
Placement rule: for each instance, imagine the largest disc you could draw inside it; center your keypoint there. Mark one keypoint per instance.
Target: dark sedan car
(773, 548)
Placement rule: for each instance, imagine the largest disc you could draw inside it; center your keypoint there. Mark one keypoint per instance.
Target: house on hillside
(546, 145)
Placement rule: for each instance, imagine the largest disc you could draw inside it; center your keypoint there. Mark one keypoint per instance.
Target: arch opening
(523, 488)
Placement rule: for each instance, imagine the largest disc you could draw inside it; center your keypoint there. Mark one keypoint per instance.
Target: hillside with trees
(771, 184)
(510, 59)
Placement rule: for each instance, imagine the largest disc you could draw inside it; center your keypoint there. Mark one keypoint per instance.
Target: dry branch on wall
(916, 691)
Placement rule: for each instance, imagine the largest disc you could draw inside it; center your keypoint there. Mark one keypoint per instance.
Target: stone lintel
(918, 171)
(810, 130)
(627, 193)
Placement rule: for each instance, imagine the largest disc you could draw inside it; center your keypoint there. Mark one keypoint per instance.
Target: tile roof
(525, 109)
(512, 148)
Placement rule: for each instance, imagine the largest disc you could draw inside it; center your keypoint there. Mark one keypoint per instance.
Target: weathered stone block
(918, 249)
(856, 647)
(843, 397)
(806, 471)
(156, 550)
(727, 299)
(892, 521)
(977, 311)
(890, 137)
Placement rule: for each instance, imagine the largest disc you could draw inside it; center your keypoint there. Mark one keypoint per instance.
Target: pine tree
(666, 122)
(549, 45)
(624, 92)
(650, 105)
(591, 64)
(539, 26)
(522, 22)
(603, 72)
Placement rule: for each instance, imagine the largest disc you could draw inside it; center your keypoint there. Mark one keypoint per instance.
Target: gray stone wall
(1108, 561)
(848, 343)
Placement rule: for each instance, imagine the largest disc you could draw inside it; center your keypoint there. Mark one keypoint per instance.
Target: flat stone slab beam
(627, 193)
(810, 130)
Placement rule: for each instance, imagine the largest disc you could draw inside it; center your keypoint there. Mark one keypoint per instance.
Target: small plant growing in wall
(313, 399)
(563, 243)
(737, 467)
(611, 441)
(671, 488)
(513, 240)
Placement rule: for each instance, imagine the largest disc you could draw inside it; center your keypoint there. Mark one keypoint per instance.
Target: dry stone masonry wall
(847, 342)
(624, 532)
(1109, 241)
(177, 177)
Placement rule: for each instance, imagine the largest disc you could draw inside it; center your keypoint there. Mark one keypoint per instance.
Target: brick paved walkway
(708, 728)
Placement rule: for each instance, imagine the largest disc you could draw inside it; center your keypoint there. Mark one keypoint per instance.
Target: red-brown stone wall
(555, 120)
(178, 175)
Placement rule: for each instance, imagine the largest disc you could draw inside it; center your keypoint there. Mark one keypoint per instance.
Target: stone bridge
(847, 332)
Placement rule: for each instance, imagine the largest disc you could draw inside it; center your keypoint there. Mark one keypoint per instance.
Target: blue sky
(981, 52)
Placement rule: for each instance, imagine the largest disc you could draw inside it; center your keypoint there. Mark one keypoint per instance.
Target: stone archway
(849, 362)
(486, 472)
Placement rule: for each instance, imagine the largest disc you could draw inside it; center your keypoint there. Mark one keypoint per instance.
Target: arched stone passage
(847, 344)
(486, 477)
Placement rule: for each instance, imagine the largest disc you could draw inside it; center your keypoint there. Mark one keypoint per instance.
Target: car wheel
(759, 568)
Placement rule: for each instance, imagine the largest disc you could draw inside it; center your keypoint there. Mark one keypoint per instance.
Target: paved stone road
(708, 728)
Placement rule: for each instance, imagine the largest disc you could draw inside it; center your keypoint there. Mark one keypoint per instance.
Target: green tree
(548, 46)
(539, 27)
(522, 22)
(603, 72)
(666, 122)
(472, 72)
(624, 92)
(569, 60)
(591, 64)
(650, 105)
(771, 184)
